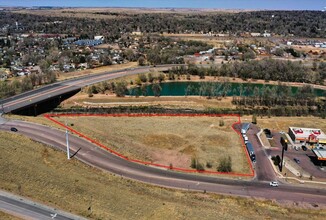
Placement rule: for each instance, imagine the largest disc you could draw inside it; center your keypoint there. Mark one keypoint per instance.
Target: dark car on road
(13, 129)
(304, 148)
(296, 160)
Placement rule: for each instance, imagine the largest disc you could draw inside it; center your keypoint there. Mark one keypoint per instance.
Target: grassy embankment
(283, 123)
(102, 100)
(33, 170)
(6, 216)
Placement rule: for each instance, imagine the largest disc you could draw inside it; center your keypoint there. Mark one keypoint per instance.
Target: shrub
(208, 165)
(142, 77)
(121, 89)
(150, 77)
(193, 163)
(254, 119)
(200, 167)
(276, 160)
(161, 77)
(225, 165)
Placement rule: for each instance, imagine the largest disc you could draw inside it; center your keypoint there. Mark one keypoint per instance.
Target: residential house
(99, 37)
(255, 34)
(267, 34)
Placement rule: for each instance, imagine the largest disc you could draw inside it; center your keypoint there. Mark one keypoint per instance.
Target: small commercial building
(307, 135)
(88, 42)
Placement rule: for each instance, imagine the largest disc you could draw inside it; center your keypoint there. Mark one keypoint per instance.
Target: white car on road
(273, 183)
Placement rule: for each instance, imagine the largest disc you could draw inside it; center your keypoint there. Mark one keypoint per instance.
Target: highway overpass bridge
(51, 95)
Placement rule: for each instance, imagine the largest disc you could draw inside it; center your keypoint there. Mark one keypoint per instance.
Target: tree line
(29, 82)
(298, 23)
(280, 95)
(259, 112)
(122, 88)
(266, 69)
(167, 51)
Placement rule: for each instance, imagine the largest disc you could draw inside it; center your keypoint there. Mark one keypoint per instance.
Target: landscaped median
(202, 143)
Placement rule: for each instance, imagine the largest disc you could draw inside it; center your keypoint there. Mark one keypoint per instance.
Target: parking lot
(263, 168)
(306, 160)
(302, 163)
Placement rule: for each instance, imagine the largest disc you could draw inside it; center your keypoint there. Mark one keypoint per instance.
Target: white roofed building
(99, 37)
(309, 135)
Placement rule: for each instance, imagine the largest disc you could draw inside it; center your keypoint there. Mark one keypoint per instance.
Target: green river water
(198, 88)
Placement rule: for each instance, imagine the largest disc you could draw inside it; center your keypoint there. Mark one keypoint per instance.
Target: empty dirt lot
(167, 139)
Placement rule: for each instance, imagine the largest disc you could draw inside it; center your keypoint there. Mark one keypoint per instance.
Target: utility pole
(67, 141)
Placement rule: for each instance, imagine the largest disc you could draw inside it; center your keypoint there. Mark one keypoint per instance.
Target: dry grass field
(5, 216)
(90, 12)
(33, 170)
(167, 140)
(283, 123)
(110, 100)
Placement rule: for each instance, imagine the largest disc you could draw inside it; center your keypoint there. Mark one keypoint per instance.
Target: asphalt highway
(27, 209)
(97, 157)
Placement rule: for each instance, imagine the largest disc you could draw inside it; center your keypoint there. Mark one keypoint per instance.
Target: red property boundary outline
(251, 174)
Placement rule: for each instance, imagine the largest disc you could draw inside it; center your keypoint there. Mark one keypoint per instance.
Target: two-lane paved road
(263, 168)
(27, 209)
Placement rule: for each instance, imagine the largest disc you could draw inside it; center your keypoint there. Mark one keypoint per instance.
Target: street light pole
(67, 141)
(284, 148)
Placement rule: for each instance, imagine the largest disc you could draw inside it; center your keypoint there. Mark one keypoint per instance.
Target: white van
(245, 138)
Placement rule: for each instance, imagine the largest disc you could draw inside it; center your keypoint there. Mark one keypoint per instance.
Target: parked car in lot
(304, 148)
(245, 138)
(274, 184)
(13, 129)
(296, 160)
